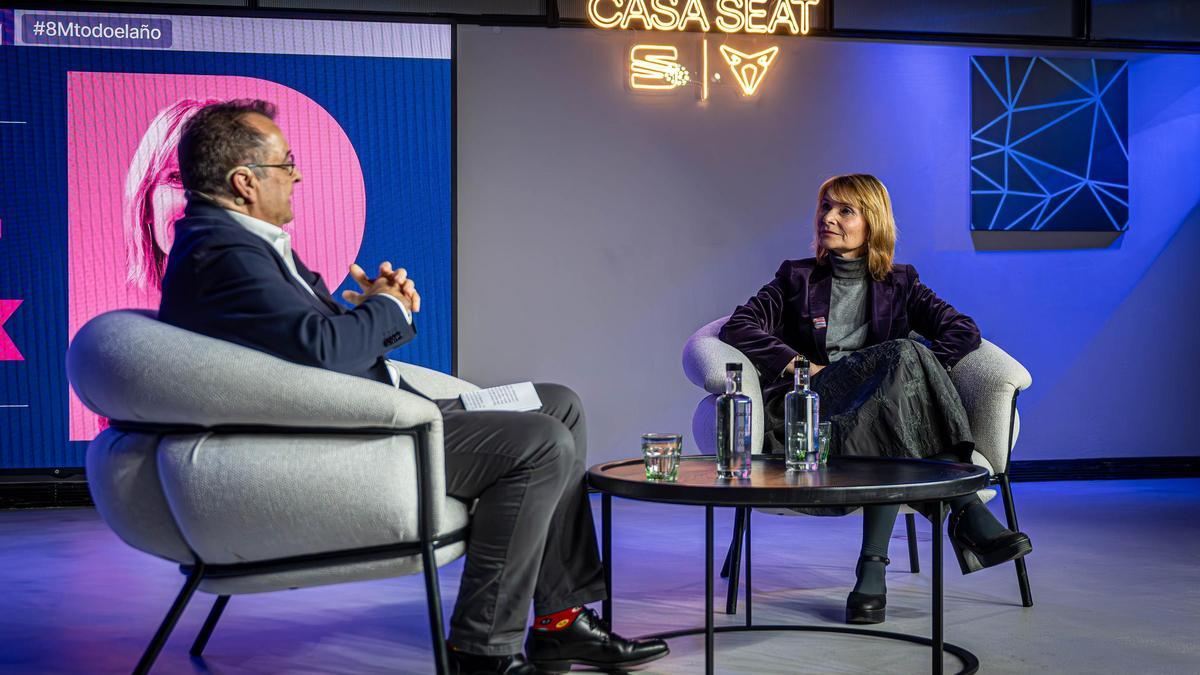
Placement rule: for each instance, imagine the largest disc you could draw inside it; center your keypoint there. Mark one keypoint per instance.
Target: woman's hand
(813, 369)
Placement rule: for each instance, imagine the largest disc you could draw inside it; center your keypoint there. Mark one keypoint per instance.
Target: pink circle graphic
(123, 195)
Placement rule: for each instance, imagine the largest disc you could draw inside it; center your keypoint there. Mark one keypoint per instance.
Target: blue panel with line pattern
(1049, 144)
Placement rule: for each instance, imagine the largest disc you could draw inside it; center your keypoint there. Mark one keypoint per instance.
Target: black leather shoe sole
(865, 616)
(564, 665)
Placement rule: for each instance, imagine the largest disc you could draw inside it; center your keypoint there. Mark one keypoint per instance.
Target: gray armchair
(254, 474)
(988, 381)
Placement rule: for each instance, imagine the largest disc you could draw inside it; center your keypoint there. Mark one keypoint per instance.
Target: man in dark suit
(231, 274)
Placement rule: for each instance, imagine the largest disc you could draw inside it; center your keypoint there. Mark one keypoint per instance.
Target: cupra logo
(657, 66)
(749, 69)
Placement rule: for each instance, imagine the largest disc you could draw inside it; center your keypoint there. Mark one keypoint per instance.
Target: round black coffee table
(846, 481)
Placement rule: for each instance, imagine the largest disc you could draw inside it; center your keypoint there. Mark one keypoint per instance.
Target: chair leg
(735, 560)
(433, 596)
(910, 528)
(209, 624)
(1010, 514)
(169, 621)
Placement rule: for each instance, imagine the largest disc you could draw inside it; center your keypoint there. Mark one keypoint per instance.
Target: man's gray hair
(218, 138)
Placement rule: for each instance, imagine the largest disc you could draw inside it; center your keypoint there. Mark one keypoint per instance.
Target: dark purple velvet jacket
(789, 316)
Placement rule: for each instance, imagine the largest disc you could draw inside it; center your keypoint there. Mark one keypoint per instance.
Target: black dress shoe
(588, 642)
(866, 607)
(463, 663)
(975, 552)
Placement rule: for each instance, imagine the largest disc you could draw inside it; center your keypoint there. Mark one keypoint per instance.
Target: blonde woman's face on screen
(843, 231)
(168, 202)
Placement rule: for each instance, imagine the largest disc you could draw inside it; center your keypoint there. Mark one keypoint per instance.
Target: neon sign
(761, 17)
(656, 67)
(749, 69)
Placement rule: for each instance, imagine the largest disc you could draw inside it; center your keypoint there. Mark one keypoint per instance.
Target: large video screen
(90, 117)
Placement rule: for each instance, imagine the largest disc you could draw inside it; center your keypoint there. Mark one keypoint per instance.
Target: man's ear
(241, 183)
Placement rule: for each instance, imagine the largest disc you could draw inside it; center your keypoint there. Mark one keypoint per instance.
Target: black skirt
(892, 399)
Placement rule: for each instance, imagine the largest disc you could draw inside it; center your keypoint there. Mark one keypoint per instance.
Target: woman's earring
(239, 201)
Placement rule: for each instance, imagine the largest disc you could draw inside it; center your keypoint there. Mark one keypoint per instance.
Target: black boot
(589, 642)
(975, 550)
(866, 607)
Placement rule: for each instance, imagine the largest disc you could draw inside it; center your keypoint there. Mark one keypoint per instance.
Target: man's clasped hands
(389, 282)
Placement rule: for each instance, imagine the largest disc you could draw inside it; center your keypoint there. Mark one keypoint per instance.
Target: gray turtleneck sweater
(847, 330)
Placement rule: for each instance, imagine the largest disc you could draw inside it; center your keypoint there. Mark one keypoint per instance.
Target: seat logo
(656, 67)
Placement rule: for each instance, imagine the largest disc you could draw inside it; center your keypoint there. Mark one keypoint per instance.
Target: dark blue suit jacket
(226, 282)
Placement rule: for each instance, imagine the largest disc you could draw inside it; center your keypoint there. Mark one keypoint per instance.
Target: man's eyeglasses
(290, 167)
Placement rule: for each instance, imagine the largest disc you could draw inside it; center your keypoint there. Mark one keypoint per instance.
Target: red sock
(557, 620)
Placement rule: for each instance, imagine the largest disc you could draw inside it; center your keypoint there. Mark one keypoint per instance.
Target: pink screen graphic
(123, 191)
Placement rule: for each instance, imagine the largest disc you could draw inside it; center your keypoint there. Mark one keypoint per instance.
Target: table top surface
(845, 481)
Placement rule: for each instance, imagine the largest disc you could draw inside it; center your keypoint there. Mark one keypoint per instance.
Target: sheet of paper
(520, 397)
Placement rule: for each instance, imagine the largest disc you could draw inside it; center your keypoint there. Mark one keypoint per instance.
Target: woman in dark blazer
(850, 310)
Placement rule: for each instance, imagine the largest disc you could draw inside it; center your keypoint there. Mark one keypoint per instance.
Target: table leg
(749, 567)
(939, 512)
(733, 567)
(708, 590)
(606, 607)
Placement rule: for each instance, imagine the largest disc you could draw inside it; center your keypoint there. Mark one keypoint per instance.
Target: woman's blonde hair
(144, 236)
(867, 194)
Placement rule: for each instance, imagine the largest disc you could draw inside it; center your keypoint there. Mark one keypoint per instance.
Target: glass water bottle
(734, 411)
(801, 415)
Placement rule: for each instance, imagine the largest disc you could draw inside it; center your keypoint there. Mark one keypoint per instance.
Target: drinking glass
(824, 429)
(661, 453)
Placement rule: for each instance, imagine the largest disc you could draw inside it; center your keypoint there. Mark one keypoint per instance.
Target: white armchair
(988, 381)
(255, 474)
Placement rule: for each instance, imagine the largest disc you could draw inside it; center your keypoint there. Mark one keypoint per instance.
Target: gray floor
(1115, 571)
